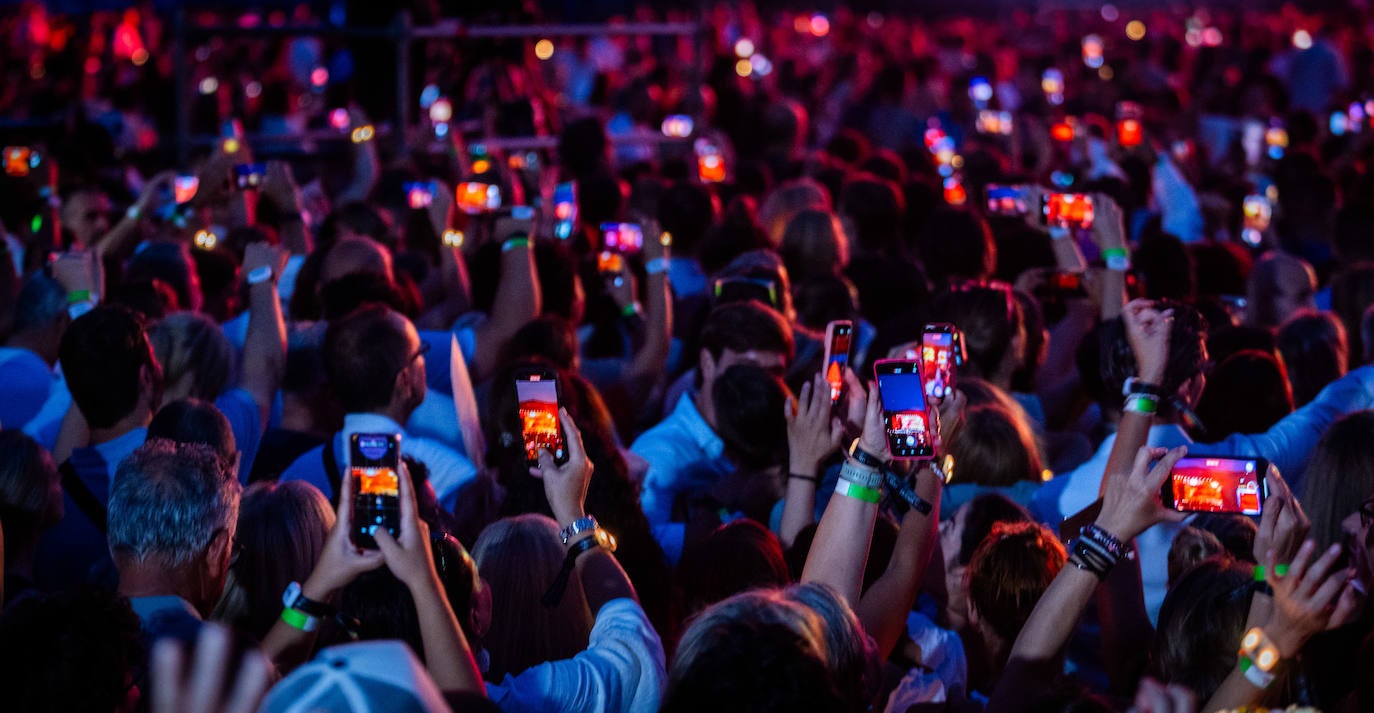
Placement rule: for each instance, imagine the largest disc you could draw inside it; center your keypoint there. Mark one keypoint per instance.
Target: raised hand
(1109, 223)
(409, 557)
(566, 485)
(341, 561)
(813, 433)
(1147, 329)
(874, 436)
(1283, 525)
(1310, 598)
(279, 187)
(260, 254)
(209, 688)
(1132, 503)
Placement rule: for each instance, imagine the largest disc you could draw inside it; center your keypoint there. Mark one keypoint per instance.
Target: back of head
(168, 501)
(1190, 547)
(282, 528)
(786, 201)
(170, 264)
(852, 655)
(582, 146)
(1187, 353)
(1279, 285)
(71, 651)
(42, 301)
(361, 677)
(1339, 476)
(363, 354)
(345, 294)
(990, 318)
(196, 357)
(1009, 573)
(687, 210)
(956, 245)
(748, 403)
(1165, 267)
(103, 356)
(754, 652)
(1200, 622)
(1315, 352)
(814, 245)
(736, 557)
(552, 339)
(746, 326)
(29, 489)
(875, 209)
(519, 557)
(195, 421)
(1246, 393)
(984, 513)
(995, 449)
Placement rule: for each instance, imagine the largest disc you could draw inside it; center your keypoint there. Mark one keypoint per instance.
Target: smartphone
(1217, 484)
(955, 193)
(623, 238)
(907, 418)
(838, 336)
(941, 351)
(249, 176)
(475, 198)
(479, 158)
(1007, 200)
(19, 160)
(419, 194)
(564, 209)
(184, 188)
(609, 263)
(374, 463)
(1063, 284)
(1067, 210)
(998, 123)
(1062, 131)
(1129, 133)
(537, 391)
(710, 162)
(678, 126)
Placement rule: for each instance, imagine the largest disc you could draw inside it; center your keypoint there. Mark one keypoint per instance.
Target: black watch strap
(321, 610)
(866, 458)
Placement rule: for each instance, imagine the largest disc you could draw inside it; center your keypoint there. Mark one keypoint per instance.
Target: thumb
(390, 548)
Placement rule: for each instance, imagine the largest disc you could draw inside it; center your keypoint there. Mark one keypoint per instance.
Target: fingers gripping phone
(941, 351)
(911, 434)
(374, 463)
(838, 336)
(1217, 484)
(536, 390)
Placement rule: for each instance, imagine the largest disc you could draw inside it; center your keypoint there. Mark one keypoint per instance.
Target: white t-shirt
(622, 671)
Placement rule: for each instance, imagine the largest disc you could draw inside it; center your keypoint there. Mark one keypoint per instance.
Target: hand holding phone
(475, 198)
(710, 162)
(536, 390)
(564, 209)
(1217, 484)
(566, 480)
(838, 335)
(941, 352)
(374, 464)
(906, 414)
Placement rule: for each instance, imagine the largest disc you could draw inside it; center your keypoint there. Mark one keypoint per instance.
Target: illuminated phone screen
(837, 357)
(538, 396)
(904, 409)
(1228, 485)
(937, 357)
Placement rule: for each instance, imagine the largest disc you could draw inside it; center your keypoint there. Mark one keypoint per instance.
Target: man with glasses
(374, 361)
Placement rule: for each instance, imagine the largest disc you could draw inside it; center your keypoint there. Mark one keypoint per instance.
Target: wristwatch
(259, 275)
(294, 598)
(861, 476)
(578, 526)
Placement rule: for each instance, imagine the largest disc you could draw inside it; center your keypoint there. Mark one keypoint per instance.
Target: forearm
(1113, 294)
(517, 295)
(798, 504)
(294, 236)
(117, 241)
(840, 551)
(364, 174)
(603, 579)
(264, 348)
(1132, 433)
(1067, 256)
(883, 608)
(1121, 608)
(1235, 692)
(1053, 619)
(447, 654)
(287, 646)
(652, 356)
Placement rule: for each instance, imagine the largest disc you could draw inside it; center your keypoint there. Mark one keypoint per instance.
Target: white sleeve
(622, 671)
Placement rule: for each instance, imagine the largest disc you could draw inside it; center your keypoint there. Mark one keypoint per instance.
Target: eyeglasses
(423, 350)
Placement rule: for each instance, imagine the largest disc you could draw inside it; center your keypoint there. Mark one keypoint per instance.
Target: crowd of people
(267, 439)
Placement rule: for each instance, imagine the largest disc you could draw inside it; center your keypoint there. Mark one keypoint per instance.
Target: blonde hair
(519, 557)
(197, 359)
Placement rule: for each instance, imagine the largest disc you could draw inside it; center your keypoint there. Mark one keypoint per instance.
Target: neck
(148, 578)
(34, 343)
(705, 406)
(396, 412)
(140, 418)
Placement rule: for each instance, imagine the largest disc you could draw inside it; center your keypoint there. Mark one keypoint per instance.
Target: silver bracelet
(858, 475)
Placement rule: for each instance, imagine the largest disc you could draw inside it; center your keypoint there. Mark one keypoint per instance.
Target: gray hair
(168, 500)
(42, 300)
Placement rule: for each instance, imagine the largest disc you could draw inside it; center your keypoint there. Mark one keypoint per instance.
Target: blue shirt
(75, 551)
(166, 616)
(448, 471)
(27, 382)
(685, 457)
(245, 420)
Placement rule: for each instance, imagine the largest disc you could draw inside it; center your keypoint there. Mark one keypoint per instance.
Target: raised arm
(279, 187)
(813, 435)
(652, 357)
(365, 163)
(517, 296)
(264, 348)
(447, 654)
(565, 486)
(125, 231)
(840, 550)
